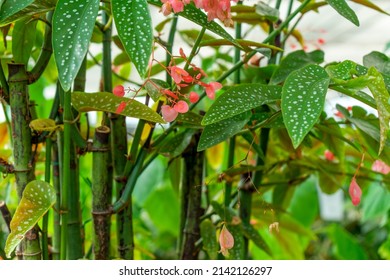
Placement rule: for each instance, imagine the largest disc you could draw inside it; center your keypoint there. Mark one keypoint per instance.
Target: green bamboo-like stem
(171, 39)
(46, 52)
(101, 193)
(192, 186)
(66, 171)
(56, 165)
(195, 47)
(23, 161)
(75, 249)
(45, 219)
(230, 162)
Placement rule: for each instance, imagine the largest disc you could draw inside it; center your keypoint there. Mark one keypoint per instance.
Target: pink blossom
(194, 97)
(181, 107)
(355, 192)
(178, 73)
(119, 91)
(381, 167)
(211, 88)
(169, 114)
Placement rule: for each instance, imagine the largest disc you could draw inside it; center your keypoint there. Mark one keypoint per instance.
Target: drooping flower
(169, 114)
(355, 192)
(194, 97)
(226, 241)
(178, 73)
(119, 91)
(211, 88)
(121, 107)
(381, 167)
(181, 107)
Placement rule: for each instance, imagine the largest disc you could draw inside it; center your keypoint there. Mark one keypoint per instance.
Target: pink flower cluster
(214, 8)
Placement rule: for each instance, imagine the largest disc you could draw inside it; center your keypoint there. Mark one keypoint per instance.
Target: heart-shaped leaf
(134, 24)
(73, 23)
(343, 9)
(38, 197)
(240, 99)
(303, 99)
(41, 125)
(382, 97)
(108, 102)
(220, 131)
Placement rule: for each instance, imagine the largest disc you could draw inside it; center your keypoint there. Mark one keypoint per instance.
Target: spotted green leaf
(239, 99)
(134, 25)
(344, 10)
(303, 98)
(382, 97)
(38, 197)
(209, 237)
(197, 16)
(252, 234)
(220, 131)
(295, 61)
(23, 38)
(108, 102)
(73, 23)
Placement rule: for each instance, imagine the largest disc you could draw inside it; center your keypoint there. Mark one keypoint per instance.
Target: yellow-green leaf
(382, 97)
(38, 197)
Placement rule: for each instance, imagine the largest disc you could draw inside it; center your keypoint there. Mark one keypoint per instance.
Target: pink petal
(181, 107)
(169, 114)
(355, 192)
(329, 155)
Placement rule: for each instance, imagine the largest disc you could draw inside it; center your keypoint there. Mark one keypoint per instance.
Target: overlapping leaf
(108, 102)
(73, 23)
(134, 25)
(38, 197)
(295, 61)
(240, 99)
(23, 38)
(220, 131)
(303, 99)
(382, 97)
(13, 10)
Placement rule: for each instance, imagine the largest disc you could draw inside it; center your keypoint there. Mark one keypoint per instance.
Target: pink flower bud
(329, 155)
(121, 107)
(226, 240)
(119, 91)
(355, 192)
(169, 114)
(181, 107)
(194, 97)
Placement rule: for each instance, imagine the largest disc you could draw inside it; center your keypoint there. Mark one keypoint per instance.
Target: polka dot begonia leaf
(38, 197)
